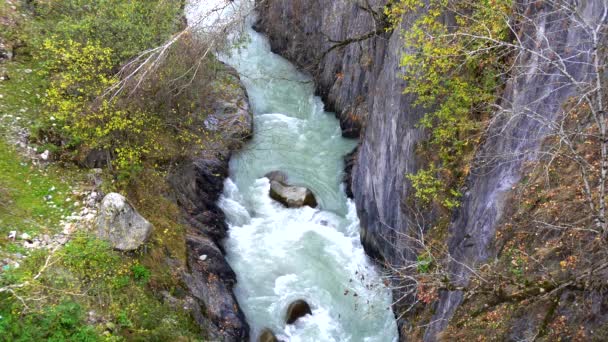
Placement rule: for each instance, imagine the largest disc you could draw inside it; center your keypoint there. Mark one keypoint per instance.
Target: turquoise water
(280, 254)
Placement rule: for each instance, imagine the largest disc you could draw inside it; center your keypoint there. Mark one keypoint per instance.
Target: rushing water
(280, 254)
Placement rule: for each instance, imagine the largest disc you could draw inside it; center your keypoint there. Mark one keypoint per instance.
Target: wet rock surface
(197, 185)
(267, 336)
(292, 196)
(296, 310)
(289, 195)
(210, 282)
(277, 176)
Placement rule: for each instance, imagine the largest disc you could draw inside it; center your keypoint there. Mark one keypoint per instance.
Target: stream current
(280, 254)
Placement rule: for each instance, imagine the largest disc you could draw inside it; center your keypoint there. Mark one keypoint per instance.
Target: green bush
(62, 322)
(141, 273)
(424, 262)
(128, 27)
(89, 259)
(455, 76)
(79, 46)
(82, 45)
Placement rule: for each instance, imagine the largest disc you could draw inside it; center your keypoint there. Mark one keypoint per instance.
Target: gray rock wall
(197, 185)
(533, 98)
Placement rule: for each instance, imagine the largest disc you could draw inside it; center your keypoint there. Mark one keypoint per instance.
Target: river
(280, 254)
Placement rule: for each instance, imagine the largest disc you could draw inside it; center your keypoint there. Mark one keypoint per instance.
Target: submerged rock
(297, 309)
(289, 195)
(121, 225)
(267, 336)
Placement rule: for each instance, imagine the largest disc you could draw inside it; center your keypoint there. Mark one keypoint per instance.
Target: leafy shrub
(424, 262)
(154, 120)
(62, 322)
(141, 273)
(128, 27)
(89, 258)
(455, 76)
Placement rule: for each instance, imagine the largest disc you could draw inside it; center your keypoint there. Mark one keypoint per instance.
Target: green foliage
(141, 273)
(81, 44)
(123, 320)
(429, 188)
(453, 73)
(79, 114)
(87, 275)
(78, 46)
(89, 259)
(424, 262)
(31, 200)
(128, 27)
(426, 185)
(61, 322)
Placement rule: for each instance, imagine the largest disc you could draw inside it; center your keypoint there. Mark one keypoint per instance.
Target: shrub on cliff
(457, 77)
(550, 126)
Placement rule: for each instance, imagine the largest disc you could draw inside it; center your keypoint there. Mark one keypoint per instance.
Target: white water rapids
(279, 254)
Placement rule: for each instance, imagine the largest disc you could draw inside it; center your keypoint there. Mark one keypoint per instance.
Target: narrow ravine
(280, 254)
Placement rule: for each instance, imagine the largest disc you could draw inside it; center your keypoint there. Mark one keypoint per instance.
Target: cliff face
(356, 65)
(531, 103)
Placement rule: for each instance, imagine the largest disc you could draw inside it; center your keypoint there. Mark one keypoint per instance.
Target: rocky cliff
(532, 102)
(198, 183)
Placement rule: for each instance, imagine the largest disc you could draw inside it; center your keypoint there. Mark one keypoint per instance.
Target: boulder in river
(120, 224)
(297, 309)
(267, 336)
(290, 196)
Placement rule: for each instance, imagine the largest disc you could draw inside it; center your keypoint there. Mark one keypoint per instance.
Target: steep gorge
(356, 67)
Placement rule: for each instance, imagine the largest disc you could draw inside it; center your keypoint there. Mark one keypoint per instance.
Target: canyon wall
(532, 101)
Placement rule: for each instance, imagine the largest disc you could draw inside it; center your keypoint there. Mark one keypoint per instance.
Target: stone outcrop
(514, 139)
(210, 281)
(120, 224)
(267, 336)
(198, 183)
